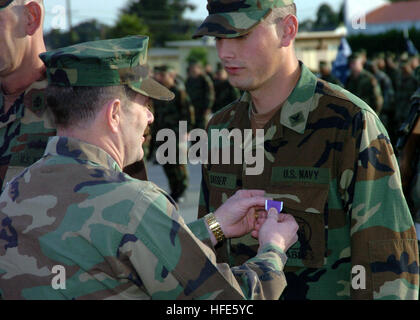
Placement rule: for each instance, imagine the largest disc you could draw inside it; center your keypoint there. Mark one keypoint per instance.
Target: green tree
(164, 18)
(128, 24)
(85, 31)
(326, 18)
(197, 55)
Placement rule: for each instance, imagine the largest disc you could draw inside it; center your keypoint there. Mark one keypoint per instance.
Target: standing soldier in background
(326, 75)
(168, 114)
(363, 84)
(409, 142)
(388, 109)
(200, 89)
(391, 69)
(209, 71)
(406, 87)
(25, 123)
(225, 93)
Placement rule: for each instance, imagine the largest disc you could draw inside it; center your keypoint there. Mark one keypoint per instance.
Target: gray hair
(78, 106)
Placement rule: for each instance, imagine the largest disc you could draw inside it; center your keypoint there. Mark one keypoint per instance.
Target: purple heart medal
(278, 205)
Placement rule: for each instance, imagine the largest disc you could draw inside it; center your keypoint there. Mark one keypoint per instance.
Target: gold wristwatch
(215, 227)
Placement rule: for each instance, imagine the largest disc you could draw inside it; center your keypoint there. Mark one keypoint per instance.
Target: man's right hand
(279, 229)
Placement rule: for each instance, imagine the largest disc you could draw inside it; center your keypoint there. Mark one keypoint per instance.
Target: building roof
(395, 12)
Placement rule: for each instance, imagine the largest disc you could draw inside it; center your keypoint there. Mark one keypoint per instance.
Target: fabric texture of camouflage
(366, 87)
(328, 158)
(4, 3)
(115, 237)
(332, 79)
(105, 63)
(224, 94)
(234, 18)
(24, 131)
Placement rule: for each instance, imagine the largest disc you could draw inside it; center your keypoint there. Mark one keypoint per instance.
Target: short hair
(277, 14)
(73, 106)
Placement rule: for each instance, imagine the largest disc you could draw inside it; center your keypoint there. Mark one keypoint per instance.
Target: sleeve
(172, 263)
(383, 237)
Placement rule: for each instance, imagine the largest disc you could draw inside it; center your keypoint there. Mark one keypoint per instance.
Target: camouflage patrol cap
(105, 63)
(234, 18)
(5, 3)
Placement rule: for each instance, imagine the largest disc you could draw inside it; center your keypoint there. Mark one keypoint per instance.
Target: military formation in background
(203, 93)
(385, 81)
(390, 85)
(408, 146)
(200, 89)
(168, 114)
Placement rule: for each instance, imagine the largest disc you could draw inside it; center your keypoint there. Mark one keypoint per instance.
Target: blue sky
(107, 11)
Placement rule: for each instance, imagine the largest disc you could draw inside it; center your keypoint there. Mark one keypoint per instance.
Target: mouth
(232, 70)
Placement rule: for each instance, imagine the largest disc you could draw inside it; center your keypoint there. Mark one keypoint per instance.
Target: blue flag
(411, 49)
(340, 68)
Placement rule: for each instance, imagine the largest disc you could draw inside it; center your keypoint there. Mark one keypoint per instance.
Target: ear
(113, 115)
(33, 12)
(288, 27)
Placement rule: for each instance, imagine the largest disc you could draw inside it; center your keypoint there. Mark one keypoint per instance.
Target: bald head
(21, 36)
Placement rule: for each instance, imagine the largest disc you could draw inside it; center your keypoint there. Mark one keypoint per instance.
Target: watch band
(215, 227)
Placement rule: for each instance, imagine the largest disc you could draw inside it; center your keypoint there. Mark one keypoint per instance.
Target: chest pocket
(307, 203)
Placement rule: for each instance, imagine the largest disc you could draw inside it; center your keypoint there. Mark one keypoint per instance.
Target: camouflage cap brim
(230, 25)
(5, 3)
(153, 89)
(104, 63)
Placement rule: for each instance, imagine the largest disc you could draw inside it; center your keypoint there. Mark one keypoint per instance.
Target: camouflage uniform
(116, 237)
(387, 114)
(366, 87)
(225, 93)
(327, 156)
(407, 85)
(331, 79)
(24, 131)
(201, 92)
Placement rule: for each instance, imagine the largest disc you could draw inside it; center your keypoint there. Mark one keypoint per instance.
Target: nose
(225, 49)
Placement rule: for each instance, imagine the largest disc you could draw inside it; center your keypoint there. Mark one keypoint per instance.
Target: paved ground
(188, 208)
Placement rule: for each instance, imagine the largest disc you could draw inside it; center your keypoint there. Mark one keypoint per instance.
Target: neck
(30, 70)
(95, 138)
(278, 88)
